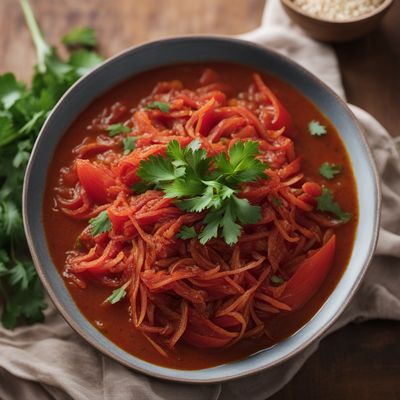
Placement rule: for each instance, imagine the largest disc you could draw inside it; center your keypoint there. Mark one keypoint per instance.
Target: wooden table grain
(359, 361)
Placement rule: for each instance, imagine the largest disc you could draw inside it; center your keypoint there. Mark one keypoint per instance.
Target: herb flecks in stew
(197, 213)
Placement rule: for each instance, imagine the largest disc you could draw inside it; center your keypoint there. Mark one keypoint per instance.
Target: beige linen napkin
(50, 361)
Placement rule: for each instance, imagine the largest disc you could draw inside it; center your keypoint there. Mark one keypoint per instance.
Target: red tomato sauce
(82, 159)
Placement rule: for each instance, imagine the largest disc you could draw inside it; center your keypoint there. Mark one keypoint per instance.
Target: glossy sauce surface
(113, 320)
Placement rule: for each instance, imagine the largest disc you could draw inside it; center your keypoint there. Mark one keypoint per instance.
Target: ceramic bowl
(336, 31)
(202, 49)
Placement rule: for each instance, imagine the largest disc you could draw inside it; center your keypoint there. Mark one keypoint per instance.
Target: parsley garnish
(186, 232)
(117, 294)
(116, 129)
(80, 37)
(23, 109)
(164, 107)
(329, 171)
(185, 174)
(315, 128)
(326, 203)
(100, 224)
(129, 144)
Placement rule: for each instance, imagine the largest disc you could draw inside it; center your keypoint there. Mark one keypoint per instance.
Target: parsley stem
(42, 48)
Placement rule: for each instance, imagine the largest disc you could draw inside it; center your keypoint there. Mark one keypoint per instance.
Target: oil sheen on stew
(190, 217)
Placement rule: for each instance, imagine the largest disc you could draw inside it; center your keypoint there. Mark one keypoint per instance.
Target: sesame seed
(338, 10)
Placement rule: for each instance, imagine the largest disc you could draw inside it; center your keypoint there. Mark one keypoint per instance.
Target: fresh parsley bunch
(23, 111)
(207, 184)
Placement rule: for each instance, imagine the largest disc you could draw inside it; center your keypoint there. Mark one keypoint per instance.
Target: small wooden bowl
(336, 31)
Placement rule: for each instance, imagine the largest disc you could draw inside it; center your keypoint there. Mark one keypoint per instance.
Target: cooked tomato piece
(95, 179)
(309, 276)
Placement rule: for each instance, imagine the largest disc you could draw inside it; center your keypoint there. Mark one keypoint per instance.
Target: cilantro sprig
(326, 202)
(329, 171)
(207, 184)
(117, 129)
(164, 107)
(315, 128)
(129, 144)
(118, 294)
(82, 36)
(100, 224)
(186, 232)
(23, 110)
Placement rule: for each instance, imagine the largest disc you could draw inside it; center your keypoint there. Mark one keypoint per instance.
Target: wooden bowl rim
(378, 10)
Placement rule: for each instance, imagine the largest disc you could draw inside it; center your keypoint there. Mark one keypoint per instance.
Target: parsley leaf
(10, 90)
(116, 129)
(82, 36)
(157, 169)
(164, 107)
(326, 203)
(242, 166)
(212, 222)
(230, 229)
(244, 211)
(186, 232)
(100, 224)
(183, 187)
(129, 144)
(315, 128)
(329, 171)
(84, 61)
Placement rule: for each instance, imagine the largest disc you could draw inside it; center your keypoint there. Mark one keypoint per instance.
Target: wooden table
(360, 361)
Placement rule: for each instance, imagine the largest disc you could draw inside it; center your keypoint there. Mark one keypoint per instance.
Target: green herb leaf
(276, 280)
(141, 187)
(212, 222)
(326, 203)
(230, 229)
(186, 232)
(129, 144)
(82, 36)
(21, 274)
(242, 165)
(84, 61)
(164, 107)
(183, 188)
(244, 211)
(116, 129)
(116, 295)
(10, 90)
(315, 128)
(329, 171)
(100, 224)
(157, 170)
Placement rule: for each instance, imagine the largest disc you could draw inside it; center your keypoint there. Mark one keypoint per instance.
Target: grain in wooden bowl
(337, 21)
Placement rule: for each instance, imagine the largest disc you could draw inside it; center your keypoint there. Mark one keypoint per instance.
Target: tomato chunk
(95, 180)
(309, 276)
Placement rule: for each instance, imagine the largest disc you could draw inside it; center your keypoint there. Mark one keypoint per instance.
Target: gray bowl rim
(53, 295)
